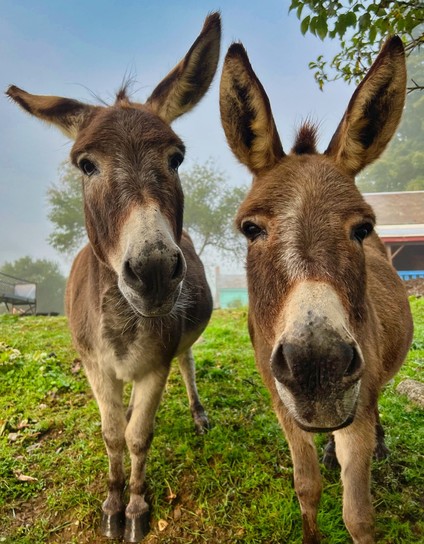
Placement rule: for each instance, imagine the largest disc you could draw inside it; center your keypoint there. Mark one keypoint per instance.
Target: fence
(18, 295)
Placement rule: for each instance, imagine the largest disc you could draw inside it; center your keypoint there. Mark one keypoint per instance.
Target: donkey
(328, 316)
(137, 295)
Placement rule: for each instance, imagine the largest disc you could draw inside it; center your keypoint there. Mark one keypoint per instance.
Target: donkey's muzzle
(318, 380)
(152, 280)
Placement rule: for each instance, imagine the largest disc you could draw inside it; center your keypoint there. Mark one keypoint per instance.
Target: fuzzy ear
(246, 114)
(374, 111)
(67, 114)
(188, 82)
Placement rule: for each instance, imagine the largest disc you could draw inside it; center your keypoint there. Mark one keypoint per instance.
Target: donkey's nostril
(178, 268)
(354, 365)
(279, 364)
(129, 273)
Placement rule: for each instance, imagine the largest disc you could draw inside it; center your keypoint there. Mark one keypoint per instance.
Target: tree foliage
(48, 277)
(209, 209)
(360, 27)
(66, 211)
(401, 168)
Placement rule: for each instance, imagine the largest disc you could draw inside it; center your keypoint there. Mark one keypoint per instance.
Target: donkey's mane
(123, 93)
(306, 139)
(125, 90)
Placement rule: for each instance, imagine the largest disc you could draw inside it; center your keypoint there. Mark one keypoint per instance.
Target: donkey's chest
(131, 350)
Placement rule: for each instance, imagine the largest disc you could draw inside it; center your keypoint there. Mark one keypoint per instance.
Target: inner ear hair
(374, 111)
(188, 82)
(246, 113)
(65, 113)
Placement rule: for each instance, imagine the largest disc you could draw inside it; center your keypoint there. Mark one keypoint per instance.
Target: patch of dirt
(415, 287)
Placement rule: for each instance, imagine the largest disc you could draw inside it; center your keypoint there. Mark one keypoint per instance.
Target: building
(231, 290)
(400, 225)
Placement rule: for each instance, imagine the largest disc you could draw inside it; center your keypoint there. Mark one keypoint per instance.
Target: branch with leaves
(360, 28)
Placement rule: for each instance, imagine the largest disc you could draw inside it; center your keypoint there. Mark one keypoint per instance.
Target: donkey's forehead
(115, 127)
(304, 180)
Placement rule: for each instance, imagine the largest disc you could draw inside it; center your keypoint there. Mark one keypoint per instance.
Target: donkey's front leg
(188, 371)
(307, 476)
(146, 398)
(354, 449)
(108, 393)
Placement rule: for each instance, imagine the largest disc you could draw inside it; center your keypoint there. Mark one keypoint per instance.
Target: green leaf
(341, 25)
(293, 5)
(372, 34)
(322, 27)
(299, 11)
(350, 18)
(364, 21)
(313, 25)
(304, 25)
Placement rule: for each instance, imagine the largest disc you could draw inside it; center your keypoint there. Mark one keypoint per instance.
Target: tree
(66, 211)
(401, 168)
(360, 28)
(46, 274)
(209, 209)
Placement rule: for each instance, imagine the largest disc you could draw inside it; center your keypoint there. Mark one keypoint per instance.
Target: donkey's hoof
(137, 528)
(112, 526)
(329, 459)
(201, 424)
(201, 421)
(381, 451)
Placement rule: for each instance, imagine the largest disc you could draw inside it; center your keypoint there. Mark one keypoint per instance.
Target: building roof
(400, 216)
(403, 208)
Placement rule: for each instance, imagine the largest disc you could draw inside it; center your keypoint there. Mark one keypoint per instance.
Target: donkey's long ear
(374, 111)
(187, 83)
(67, 114)
(246, 114)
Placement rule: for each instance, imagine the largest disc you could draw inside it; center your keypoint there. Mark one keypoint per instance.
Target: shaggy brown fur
(328, 315)
(137, 295)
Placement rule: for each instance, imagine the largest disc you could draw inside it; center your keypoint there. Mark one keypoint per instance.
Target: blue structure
(411, 274)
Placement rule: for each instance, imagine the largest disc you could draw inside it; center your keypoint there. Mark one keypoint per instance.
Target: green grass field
(232, 485)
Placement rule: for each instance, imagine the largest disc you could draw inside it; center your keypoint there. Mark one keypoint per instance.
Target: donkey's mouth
(322, 421)
(330, 411)
(312, 429)
(150, 306)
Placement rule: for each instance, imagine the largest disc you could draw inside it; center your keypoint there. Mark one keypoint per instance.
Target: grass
(232, 485)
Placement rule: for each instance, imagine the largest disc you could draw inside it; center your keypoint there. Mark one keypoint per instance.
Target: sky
(82, 48)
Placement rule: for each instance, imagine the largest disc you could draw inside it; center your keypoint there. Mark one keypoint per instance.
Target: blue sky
(75, 48)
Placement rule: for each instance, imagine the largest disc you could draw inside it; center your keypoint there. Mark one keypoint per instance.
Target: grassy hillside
(232, 485)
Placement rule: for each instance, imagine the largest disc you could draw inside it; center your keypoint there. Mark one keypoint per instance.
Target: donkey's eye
(360, 232)
(87, 167)
(175, 161)
(251, 230)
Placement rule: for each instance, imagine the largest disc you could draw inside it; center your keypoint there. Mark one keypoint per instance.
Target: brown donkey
(137, 295)
(328, 316)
